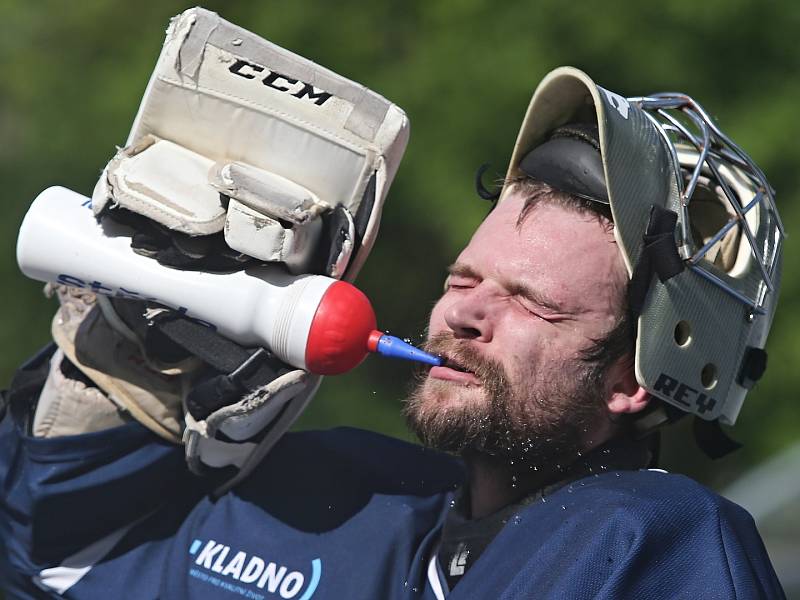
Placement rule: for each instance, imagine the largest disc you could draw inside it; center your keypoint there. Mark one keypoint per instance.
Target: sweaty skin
(530, 296)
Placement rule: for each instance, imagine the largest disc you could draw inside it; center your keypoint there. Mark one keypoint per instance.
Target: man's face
(523, 301)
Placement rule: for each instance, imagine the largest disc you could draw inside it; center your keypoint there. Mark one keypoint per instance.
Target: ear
(625, 395)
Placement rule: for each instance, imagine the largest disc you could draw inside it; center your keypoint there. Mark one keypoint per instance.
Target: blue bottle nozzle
(394, 347)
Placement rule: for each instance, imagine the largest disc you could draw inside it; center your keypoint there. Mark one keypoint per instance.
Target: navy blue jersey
(115, 514)
(642, 535)
(346, 514)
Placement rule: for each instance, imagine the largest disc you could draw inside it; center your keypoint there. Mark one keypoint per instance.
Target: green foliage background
(72, 75)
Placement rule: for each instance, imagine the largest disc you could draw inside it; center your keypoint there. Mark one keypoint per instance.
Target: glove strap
(240, 370)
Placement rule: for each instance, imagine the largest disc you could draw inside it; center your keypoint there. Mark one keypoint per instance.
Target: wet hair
(536, 192)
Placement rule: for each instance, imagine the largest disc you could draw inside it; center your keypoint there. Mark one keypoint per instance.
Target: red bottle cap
(337, 340)
(373, 339)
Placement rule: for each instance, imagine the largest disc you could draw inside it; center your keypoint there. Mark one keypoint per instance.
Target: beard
(539, 423)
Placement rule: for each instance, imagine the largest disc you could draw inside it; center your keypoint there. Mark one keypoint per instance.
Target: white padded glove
(241, 153)
(239, 136)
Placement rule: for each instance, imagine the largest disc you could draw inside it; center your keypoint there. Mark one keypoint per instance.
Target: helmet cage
(697, 147)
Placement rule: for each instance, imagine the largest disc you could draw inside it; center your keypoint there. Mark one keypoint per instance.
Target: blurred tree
(464, 71)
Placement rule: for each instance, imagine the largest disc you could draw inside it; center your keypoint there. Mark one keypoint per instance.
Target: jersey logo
(237, 567)
(459, 561)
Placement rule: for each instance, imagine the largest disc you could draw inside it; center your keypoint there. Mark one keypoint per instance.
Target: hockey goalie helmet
(695, 220)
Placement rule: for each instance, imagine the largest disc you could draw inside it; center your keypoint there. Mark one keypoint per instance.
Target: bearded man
(546, 395)
(567, 342)
(554, 385)
(530, 382)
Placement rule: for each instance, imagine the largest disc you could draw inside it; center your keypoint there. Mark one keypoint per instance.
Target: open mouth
(455, 371)
(453, 364)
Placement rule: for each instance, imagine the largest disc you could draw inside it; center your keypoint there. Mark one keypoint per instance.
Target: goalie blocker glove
(239, 138)
(243, 153)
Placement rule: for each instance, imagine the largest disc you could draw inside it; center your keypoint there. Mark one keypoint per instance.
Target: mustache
(461, 354)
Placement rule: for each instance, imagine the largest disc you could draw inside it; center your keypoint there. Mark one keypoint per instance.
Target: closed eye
(541, 312)
(460, 282)
(529, 308)
(461, 277)
(456, 284)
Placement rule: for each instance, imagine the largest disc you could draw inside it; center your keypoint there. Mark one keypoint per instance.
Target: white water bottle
(312, 322)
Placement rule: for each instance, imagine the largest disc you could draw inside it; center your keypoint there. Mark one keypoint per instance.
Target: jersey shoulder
(630, 534)
(655, 492)
(667, 508)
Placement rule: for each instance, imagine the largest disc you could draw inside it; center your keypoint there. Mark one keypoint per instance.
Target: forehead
(572, 257)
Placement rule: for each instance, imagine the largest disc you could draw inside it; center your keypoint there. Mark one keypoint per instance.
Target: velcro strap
(659, 255)
(712, 440)
(202, 341)
(239, 371)
(223, 390)
(754, 364)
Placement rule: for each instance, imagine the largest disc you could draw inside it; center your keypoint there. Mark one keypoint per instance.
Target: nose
(468, 317)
